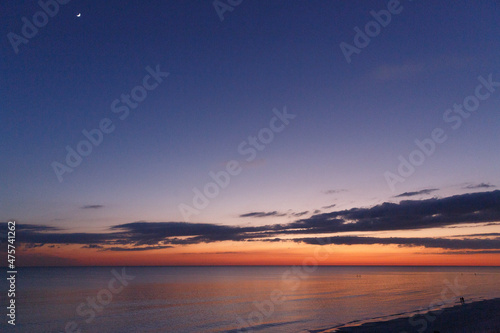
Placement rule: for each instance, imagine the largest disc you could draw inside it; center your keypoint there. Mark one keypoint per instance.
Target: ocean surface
(215, 299)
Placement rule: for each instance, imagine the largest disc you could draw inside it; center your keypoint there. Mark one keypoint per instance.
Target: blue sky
(226, 77)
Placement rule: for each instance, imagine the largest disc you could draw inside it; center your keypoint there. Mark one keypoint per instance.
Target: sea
(234, 298)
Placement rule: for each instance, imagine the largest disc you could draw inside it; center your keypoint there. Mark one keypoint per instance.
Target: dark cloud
(334, 191)
(476, 186)
(464, 226)
(138, 234)
(151, 233)
(408, 214)
(64, 238)
(474, 252)
(147, 248)
(262, 214)
(33, 245)
(472, 208)
(300, 214)
(35, 227)
(491, 234)
(443, 243)
(411, 194)
(92, 246)
(26, 229)
(92, 207)
(330, 206)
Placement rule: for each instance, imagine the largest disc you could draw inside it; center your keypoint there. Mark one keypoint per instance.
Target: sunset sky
(252, 139)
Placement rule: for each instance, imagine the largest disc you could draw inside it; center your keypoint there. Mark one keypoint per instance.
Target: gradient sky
(352, 122)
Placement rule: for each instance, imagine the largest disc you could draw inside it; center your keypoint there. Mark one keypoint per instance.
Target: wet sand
(481, 316)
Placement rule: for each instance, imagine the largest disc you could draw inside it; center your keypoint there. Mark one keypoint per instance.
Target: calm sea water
(214, 299)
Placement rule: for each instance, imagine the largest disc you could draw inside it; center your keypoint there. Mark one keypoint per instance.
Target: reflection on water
(214, 299)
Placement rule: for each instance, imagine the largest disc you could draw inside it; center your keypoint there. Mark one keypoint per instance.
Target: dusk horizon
(145, 243)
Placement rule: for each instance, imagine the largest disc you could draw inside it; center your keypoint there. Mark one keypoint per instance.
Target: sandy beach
(481, 316)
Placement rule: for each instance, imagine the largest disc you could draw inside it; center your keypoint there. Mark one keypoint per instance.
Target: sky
(251, 132)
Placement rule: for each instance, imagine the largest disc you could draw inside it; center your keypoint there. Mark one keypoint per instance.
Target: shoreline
(477, 316)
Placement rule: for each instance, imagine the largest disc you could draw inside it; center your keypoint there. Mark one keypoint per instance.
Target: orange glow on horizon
(254, 253)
